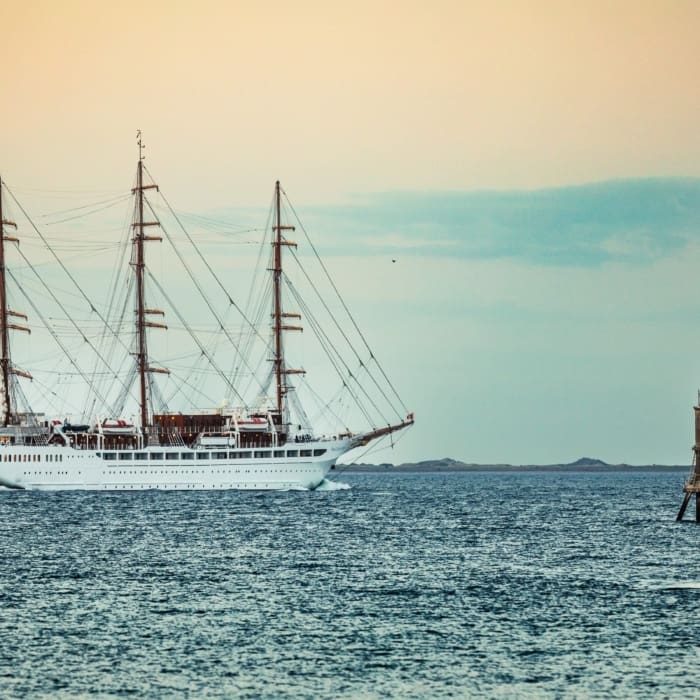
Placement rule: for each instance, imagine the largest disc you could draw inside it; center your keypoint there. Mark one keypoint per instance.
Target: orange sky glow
(342, 99)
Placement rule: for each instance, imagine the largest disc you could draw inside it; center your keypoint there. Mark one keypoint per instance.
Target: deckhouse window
(261, 454)
(156, 455)
(202, 455)
(318, 453)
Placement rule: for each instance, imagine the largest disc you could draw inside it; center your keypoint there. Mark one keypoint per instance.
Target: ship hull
(295, 466)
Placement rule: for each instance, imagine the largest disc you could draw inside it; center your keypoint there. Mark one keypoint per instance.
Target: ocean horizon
(584, 465)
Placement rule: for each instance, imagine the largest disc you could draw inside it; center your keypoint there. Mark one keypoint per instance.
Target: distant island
(585, 464)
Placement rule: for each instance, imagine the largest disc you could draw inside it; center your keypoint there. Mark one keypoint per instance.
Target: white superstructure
(55, 467)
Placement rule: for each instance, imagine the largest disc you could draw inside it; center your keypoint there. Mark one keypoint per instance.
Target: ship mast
(139, 264)
(5, 362)
(278, 325)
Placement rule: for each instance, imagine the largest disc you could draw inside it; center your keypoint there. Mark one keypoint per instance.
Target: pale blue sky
(621, 220)
(535, 326)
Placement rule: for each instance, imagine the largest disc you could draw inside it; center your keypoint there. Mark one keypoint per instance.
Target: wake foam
(328, 485)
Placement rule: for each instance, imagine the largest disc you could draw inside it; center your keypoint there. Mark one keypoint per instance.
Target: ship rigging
(259, 436)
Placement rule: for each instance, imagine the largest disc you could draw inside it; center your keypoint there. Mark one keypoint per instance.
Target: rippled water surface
(419, 585)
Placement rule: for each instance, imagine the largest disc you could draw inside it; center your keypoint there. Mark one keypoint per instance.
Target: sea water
(414, 585)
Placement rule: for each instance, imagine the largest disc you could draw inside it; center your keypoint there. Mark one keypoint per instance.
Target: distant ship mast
(278, 325)
(9, 411)
(138, 261)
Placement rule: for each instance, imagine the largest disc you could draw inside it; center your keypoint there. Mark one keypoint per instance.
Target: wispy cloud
(634, 221)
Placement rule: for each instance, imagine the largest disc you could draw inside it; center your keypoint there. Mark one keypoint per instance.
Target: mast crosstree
(6, 367)
(278, 324)
(139, 264)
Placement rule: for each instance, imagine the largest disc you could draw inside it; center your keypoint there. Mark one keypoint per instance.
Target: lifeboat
(117, 427)
(256, 423)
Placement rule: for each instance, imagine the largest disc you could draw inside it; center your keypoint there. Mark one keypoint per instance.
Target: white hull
(55, 468)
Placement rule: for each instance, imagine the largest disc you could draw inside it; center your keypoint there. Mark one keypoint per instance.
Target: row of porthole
(31, 458)
(160, 456)
(171, 473)
(130, 487)
(133, 472)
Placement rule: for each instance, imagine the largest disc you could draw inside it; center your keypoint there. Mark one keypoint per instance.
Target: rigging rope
(325, 407)
(89, 213)
(194, 337)
(60, 306)
(112, 347)
(48, 392)
(195, 389)
(56, 338)
(120, 197)
(340, 298)
(206, 263)
(197, 285)
(345, 337)
(328, 347)
(60, 263)
(257, 317)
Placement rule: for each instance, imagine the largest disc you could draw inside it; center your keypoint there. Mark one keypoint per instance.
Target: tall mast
(5, 360)
(139, 267)
(141, 357)
(6, 367)
(277, 314)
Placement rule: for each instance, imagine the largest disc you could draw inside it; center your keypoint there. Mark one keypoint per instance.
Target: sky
(532, 167)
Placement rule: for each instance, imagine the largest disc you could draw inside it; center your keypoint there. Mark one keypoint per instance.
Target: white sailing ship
(265, 444)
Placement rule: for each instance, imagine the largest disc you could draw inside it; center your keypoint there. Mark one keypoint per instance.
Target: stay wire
(60, 262)
(89, 213)
(63, 309)
(328, 347)
(340, 298)
(197, 285)
(56, 338)
(117, 277)
(194, 337)
(248, 339)
(206, 263)
(342, 332)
